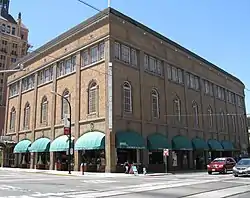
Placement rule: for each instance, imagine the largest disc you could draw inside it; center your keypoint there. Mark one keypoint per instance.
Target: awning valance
(60, 144)
(22, 146)
(181, 143)
(91, 141)
(215, 145)
(199, 144)
(227, 145)
(40, 145)
(129, 140)
(158, 141)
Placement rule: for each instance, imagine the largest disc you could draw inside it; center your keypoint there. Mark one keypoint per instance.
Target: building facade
(13, 45)
(133, 93)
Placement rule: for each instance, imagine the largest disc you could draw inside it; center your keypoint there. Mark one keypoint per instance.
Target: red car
(221, 165)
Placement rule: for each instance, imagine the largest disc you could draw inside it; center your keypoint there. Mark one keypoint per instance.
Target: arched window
(44, 111)
(155, 104)
(12, 119)
(222, 120)
(65, 105)
(26, 117)
(177, 108)
(210, 117)
(196, 114)
(127, 97)
(92, 97)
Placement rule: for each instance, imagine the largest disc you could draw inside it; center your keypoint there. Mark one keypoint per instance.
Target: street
(189, 185)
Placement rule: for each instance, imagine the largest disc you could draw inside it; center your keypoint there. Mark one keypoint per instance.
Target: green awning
(22, 146)
(227, 145)
(157, 142)
(199, 144)
(91, 141)
(40, 145)
(60, 144)
(215, 145)
(181, 143)
(129, 140)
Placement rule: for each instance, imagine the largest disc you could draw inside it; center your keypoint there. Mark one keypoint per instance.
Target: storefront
(156, 143)
(182, 153)
(215, 149)
(228, 148)
(128, 145)
(22, 155)
(91, 147)
(200, 153)
(40, 153)
(60, 147)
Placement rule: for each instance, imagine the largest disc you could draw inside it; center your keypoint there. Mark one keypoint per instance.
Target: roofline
(71, 32)
(160, 36)
(78, 28)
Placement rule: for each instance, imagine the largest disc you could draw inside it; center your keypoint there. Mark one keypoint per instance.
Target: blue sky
(218, 31)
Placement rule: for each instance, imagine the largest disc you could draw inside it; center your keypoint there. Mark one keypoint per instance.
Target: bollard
(82, 168)
(144, 171)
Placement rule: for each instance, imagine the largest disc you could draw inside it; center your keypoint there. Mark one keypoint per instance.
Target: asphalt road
(196, 185)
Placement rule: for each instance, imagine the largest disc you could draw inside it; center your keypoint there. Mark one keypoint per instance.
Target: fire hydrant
(82, 168)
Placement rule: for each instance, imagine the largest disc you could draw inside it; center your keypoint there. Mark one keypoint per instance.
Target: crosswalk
(243, 185)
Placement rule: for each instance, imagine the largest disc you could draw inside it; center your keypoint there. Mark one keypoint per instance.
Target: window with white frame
(45, 75)
(12, 119)
(127, 97)
(208, 87)
(240, 101)
(92, 99)
(14, 89)
(125, 50)
(65, 105)
(220, 92)
(133, 57)
(193, 81)
(44, 111)
(66, 66)
(155, 104)
(117, 51)
(26, 117)
(177, 109)
(210, 117)
(28, 82)
(93, 54)
(233, 123)
(196, 114)
(153, 65)
(230, 97)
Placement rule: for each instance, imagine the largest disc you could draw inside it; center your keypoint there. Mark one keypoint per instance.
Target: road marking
(222, 193)
(98, 181)
(140, 188)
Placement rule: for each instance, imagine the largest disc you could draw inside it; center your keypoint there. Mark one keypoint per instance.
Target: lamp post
(69, 150)
(17, 69)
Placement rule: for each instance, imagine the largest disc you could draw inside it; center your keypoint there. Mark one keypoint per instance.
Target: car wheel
(236, 175)
(209, 172)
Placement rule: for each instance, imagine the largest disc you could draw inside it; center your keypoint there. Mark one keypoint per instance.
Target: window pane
(94, 54)
(146, 62)
(85, 57)
(125, 54)
(101, 50)
(117, 51)
(133, 57)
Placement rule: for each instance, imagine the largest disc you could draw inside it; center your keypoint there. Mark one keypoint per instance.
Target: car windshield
(245, 162)
(219, 160)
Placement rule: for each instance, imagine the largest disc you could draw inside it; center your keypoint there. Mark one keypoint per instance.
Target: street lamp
(69, 132)
(17, 69)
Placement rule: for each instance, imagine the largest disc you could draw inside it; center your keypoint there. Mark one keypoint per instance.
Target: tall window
(127, 97)
(12, 119)
(155, 104)
(242, 123)
(65, 105)
(177, 109)
(26, 117)
(233, 123)
(222, 120)
(44, 111)
(196, 114)
(210, 117)
(92, 97)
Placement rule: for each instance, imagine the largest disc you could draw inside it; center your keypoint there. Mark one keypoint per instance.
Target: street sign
(66, 131)
(71, 151)
(165, 152)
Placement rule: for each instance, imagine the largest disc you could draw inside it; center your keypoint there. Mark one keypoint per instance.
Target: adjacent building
(13, 45)
(133, 93)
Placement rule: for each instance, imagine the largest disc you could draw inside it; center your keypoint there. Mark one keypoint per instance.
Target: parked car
(242, 168)
(221, 165)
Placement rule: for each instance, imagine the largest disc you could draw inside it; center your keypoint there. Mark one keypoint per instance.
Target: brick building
(13, 45)
(133, 93)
